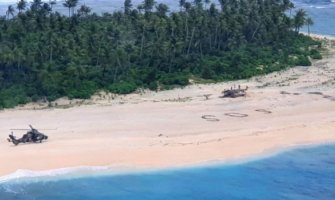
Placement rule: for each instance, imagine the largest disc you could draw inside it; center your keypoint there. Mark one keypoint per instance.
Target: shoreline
(320, 36)
(262, 151)
(171, 128)
(97, 171)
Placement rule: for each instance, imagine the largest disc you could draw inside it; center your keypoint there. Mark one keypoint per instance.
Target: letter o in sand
(236, 115)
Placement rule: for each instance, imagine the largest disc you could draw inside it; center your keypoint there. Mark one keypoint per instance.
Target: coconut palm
(182, 4)
(299, 19)
(70, 4)
(67, 4)
(10, 11)
(84, 11)
(148, 5)
(21, 5)
(36, 5)
(309, 22)
(207, 2)
(52, 3)
(127, 6)
(74, 4)
(162, 9)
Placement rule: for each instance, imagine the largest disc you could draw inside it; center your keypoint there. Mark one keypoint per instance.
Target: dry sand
(179, 127)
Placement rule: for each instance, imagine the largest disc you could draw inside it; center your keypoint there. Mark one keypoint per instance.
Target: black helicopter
(33, 135)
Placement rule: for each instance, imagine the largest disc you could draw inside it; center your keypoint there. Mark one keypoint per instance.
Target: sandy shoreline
(117, 170)
(171, 128)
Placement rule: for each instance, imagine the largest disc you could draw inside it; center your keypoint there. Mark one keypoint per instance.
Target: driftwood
(207, 96)
(234, 93)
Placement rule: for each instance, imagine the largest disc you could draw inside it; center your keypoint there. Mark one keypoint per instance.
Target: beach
(179, 127)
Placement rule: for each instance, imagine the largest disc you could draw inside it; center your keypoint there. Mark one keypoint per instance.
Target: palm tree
(84, 11)
(70, 4)
(52, 3)
(223, 4)
(287, 5)
(299, 19)
(127, 6)
(36, 5)
(46, 8)
(148, 5)
(162, 9)
(74, 4)
(10, 11)
(187, 6)
(198, 3)
(182, 4)
(207, 2)
(140, 8)
(67, 4)
(21, 5)
(309, 22)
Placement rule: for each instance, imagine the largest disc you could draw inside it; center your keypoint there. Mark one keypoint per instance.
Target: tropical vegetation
(47, 55)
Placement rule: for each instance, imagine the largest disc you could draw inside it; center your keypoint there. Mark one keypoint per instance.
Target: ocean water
(301, 174)
(321, 11)
(323, 14)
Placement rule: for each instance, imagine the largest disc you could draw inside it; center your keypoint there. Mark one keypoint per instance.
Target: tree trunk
(254, 33)
(116, 69)
(142, 44)
(50, 56)
(186, 28)
(216, 35)
(190, 43)
(98, 56)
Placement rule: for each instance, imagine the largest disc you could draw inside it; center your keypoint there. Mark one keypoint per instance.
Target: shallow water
(302, 174)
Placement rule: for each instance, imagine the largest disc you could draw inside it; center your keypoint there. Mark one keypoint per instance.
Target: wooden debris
(207, 96)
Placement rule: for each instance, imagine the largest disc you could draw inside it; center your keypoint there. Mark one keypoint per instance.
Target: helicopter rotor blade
(25, 129)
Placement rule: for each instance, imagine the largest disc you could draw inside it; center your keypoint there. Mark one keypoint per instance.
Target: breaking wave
(62, 173)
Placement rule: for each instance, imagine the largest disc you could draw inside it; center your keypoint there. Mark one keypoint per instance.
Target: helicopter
(32, 136)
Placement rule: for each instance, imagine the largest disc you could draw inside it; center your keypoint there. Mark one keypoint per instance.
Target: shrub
(207, 73)
(315, 54)
(84, 91)
(174, 79)
(303, 61)
(122, 87)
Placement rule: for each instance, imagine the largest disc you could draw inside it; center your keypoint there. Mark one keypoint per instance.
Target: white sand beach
(179, 127)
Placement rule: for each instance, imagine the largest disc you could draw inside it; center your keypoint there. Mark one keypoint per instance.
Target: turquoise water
(302, 174)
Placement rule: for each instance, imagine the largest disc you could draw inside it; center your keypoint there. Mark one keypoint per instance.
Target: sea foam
(24, 175)
(61, 173)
